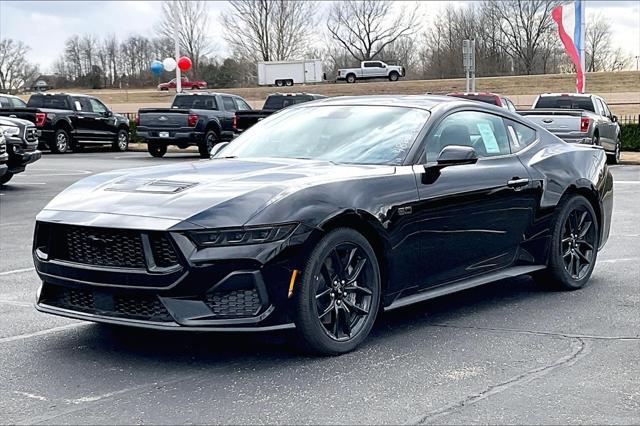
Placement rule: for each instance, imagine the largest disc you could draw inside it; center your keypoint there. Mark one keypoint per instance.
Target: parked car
(186, 84)
(323, 214)
(4, 156)
(11, 102)
(202, 119)
(288, 73)
(21, 143)
(578, 118)
(486, 97)
(274, 102)
(369, 70)
(70, 121)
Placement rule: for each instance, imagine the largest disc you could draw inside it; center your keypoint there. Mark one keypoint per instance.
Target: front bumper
(20, 157)
(205, 290)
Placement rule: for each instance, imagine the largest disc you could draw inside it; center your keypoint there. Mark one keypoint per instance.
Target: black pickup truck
(71, 121)
(274, 102)
(199, 118)
(21, 145)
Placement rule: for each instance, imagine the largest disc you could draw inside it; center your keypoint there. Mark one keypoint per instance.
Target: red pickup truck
(186, 84)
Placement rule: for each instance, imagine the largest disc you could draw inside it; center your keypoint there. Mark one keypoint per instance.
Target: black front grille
(109, 247)
(163, 252)
(102, 247)
(97, 302)
(234, 303)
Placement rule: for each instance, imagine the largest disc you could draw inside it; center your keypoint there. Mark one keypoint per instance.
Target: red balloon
(184, 63)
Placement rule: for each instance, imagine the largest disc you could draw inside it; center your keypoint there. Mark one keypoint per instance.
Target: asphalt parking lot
(510, 352)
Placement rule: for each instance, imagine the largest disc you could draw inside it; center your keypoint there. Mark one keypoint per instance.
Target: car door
(84, 120)
(230, 112)
(612, 126)
(105, 121)
(473, 216)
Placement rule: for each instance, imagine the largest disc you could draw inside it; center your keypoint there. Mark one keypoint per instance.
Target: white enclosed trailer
(288, 73)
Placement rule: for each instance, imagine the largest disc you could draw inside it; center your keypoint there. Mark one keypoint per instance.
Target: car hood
(209, 193)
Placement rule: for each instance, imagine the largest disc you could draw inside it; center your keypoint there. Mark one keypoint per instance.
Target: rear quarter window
(520, 135)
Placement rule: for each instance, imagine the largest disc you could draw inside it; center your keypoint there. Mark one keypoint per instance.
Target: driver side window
(483, 132)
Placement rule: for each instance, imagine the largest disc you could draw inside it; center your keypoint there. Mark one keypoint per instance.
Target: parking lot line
(41, 332)
(17, 271)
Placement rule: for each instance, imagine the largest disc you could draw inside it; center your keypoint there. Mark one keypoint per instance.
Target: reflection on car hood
(233, 190)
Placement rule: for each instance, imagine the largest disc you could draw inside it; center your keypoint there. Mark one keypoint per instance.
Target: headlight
(243, 236)
(10, 130)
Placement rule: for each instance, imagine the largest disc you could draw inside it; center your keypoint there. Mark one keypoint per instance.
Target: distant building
(42, 83)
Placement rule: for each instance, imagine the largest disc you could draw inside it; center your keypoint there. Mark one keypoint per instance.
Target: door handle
(518, 182)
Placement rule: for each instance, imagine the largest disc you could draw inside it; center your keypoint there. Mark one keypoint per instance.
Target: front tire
(207, 144)
(121, 143)
(337, 300)
(393, 76)
(574, 245)
(61, 142)
(156, 150)
(5, 178)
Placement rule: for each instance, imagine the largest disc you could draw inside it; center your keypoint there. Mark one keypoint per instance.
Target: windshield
(195, 102)
(342, 134)
(565, 102)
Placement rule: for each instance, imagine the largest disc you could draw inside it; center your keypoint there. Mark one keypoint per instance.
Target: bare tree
(15, 69)
(598, 41)
(193, 17)
(269, 30)
(364, 28)
(524, 24)
(618, 61)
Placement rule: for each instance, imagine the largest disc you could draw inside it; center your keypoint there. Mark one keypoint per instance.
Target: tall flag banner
(570, 21)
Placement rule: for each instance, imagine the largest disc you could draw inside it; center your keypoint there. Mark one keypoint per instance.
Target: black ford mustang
(321, 215)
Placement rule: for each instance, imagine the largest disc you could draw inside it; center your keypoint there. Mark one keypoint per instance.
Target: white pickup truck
(578, 118)
(369, 70)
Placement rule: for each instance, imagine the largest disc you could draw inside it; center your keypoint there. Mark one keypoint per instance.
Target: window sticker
(489, 139)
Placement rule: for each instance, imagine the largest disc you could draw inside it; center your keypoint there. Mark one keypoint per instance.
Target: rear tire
(206, 145)
(288, 82)
(5, 178)
(615, 157)
(156, 150)
(61, 142)
(351, 78)
(121, 143)
(279, 83)
(574, 245)
(337, 299)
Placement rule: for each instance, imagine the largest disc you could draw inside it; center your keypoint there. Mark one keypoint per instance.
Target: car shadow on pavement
(206, 348)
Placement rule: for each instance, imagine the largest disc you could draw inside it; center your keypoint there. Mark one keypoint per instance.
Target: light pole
(176, 34)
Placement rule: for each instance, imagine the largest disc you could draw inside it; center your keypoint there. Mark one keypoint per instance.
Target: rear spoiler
(552, 111)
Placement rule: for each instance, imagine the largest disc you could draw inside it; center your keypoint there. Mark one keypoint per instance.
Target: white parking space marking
(31, 395)
(67, 173)
(627, 181)
(41, 332)
(17, 271)
(16, 303)
(628, 259)
(30, 183)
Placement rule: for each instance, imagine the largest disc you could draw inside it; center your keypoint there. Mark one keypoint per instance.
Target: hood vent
(150, 186)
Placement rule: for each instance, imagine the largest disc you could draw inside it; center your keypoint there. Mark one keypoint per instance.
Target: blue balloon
(157, 67)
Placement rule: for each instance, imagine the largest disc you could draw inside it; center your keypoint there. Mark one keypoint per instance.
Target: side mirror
(108, 113)
(217, 148)
(614, 118)
(452, 155)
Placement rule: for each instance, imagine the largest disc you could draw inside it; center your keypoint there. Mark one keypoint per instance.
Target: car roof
(577, 95)
(75, 95)
(297, 94)
(428, 102)
(204, 92)
(474, 94)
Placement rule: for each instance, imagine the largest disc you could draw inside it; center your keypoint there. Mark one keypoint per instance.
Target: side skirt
(444, 289)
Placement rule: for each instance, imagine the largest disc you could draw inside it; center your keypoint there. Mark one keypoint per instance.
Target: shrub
(630, 137)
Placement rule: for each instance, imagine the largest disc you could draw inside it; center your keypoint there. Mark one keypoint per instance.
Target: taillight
(584, 124)
(41, 117)
(234, 123)
(192, 120)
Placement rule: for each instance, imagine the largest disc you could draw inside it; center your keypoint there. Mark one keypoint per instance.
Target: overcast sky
(45, 25)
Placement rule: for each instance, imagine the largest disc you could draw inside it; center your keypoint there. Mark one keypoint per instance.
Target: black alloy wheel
(61, 142)
(574, 245)
(121, 143)
(207, 144)
(338, 299)
(156, 150)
